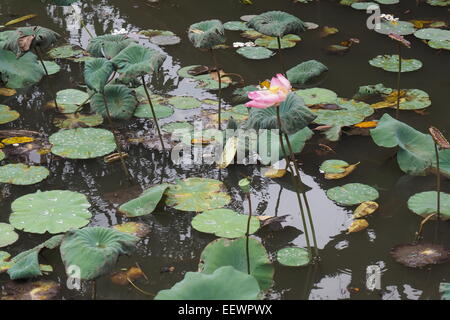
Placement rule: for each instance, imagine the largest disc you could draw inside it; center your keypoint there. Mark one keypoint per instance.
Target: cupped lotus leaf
(39, 37)
(95, 250)
(82, 143)
(255, 53)
(225, 252)
(108, 46)
(97, 72)
(77, 120)
(161, 111)
(420, 255)
(293, 113)
(207, 34)
(7, 235)
(352, 194)
(390, 63)
(401, 28)
(120, 102)
(224, 223)
(425, 203)
(363, 5)
(444, 287)
(371, 91)
(197, 194)
(287, 41)
(305, 71)
(7, 115)
(26, 264)
(293, 257)
(19, 72)
(136, 60)
(225, 283)
(69, 100)
(51, 67)
(22, 174)
(416, 155)
(184, 103)
(53, 211)
(333, 166)
(64, 52)
(439, 44)
(277, 24)
(146, 203)
(236, 26)
(433, 34)
(176, 126)
(137, 229)
(314, 96)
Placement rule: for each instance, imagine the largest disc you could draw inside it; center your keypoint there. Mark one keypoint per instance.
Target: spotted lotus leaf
(22, 174)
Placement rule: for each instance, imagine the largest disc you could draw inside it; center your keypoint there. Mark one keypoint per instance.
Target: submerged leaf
(420, 255)
(293, 257)
(358, 225)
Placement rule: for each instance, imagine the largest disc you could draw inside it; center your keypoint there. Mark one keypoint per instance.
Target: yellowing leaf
(197, 31)
(348, 169)
(365, 208)
(7, 92)
(122, 278)
(390, 100)
(274, 173)
(358, 225)
(228, 153)
(366, 124)
(14, 140)
(27, 17)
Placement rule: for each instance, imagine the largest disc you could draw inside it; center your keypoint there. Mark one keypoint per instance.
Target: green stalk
(438, 182)
(36, 50)
(397, 113)
(283, 68)
(247, 234)
(219, 79)
(153, 113)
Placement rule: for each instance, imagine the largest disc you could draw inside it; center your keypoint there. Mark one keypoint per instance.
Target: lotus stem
(283, 68)
(247, 234)
(422, 223)
(119, 148)
(85, 28)
(153, 113)
(84, 103)
(397, 113)
(94, 289)
(216, 65)
(294, 181)
(438, 182)
(36, 50)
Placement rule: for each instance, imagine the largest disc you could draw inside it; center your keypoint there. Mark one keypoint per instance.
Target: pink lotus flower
(271, 95)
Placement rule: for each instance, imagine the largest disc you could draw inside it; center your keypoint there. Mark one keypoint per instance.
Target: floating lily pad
(22, 174)
(288, 41)
(352, 194)
(197, 194)
(64, 52)
(162, 40)
(305, 71)
(316, 96)
(161, 111)
(425, 203)
(444, 44)
(137, 229)
(410, 99)
(53, 211)
(225, 252)
(420, 255)
(184, 102)
(179, 125)
(19, 72)
(205, 81)
(2, 155)
(77, 120)
(333, 166)
(69, 100)
(52, 67)
(401, 28)
(388, 1)
(293, 257)
(225, 283)
(439, 3)
(255, 53)
(7, 114)
(155, 32)
(145, 203)
(82, 143)
(363, 5)
(433, 34)
(236, 26)
(224, 223)
(7, 235)
(390, 63)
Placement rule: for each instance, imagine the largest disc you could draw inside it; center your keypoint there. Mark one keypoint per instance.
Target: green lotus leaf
(206, 34)
(165, 40)
(225, 252)
(22, 174)
(433, 34)
(224, 223)
(197, 194)
(19, 72)
(416, 155)
(7, 115)
(184, 102)
(293, 113)
(293, 257)
(401, 28)
(26, 264)
(97, 72)
(287, 41)
(255, 53)
(439, 44)
(108, 46)
(314, 96)
(388, 1)
(51, 67)
(43, 38)
(61, 2)
(7, 235)
(137, 229)
(144, 204)
(155, 32)
(95, 250)
(205, 81)
(439, 3)
(120, 102)
(82, 143)
(390, 63)
(69, 100)
(444, 287)
(363, 5)
(276, 24)
(333, 166)
(2, 155)
(236, 26)
(178, 125)
(225, 283)
(64, 52)
(425, 203)
(352, 194)
(368, 92)
(77, 120)
(5, 263)
(53, 211)
(184, 72)
(161, 111)
(252, 34)
(305, 71)
(136, 60)
(414, 99)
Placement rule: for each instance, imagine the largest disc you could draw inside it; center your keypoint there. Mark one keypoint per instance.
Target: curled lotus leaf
(97, 72)
(277, 24)
(207, 34)
(146, 203)
(136, 61)
(22, 174)
(108, 46)
(120, 102)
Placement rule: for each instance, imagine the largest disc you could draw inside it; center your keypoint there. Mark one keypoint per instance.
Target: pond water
(172, 241)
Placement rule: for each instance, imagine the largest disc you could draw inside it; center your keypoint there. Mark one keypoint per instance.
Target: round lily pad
(161, 111)
(390, 63)
(397, 27)
(352, 194)
(179, 125)
(433, 34)
(82, 143)
(165, 40)
(64, 52)
(236, 26)
(350, 112)
(2, 155)
(414, 99)
(293, 257)
(316, 96)
(69, 100)
(425, 203)
(22, 174)
(255, 53)
(333, 166)
(7, 115)
(53, 211)
(439, 44)
(52, 67)
(197, 194)
(184, 102)
(7, 236)
(363, 5)
(288, 41)
(224, 223)
(77, 120)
